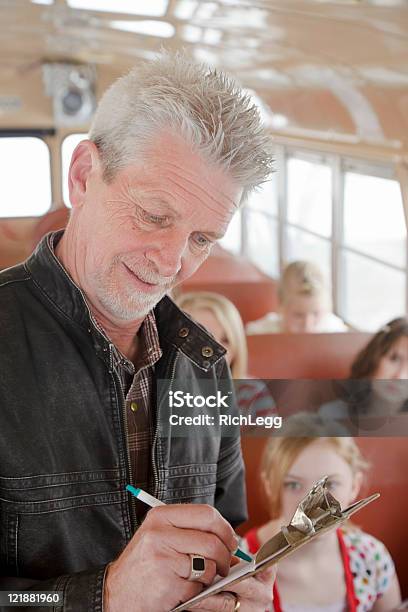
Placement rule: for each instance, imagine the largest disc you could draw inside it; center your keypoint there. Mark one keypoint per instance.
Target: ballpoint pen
(154, 502)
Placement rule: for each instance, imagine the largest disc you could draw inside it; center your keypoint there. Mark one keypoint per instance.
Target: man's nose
(167, 254)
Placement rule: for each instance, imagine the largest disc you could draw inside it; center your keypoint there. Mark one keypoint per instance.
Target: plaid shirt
(137, 383)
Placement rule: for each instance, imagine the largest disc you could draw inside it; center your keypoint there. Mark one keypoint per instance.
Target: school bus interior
(331, 79)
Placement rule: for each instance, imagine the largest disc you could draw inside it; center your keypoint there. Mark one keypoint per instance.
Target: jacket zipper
(154, 464)
(133, 517)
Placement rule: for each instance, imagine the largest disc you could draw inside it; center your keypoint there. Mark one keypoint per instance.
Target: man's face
(150, 228)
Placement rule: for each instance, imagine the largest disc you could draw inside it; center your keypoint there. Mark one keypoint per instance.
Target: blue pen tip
(240, 553)
(133, 490)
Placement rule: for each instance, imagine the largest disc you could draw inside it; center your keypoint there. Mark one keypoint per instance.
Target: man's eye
(154, 219)
(202, 241)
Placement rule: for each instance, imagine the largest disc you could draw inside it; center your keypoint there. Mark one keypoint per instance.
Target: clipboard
(318, 513)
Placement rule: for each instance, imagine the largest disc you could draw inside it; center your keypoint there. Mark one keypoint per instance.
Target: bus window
(309, 189)
(265, 198)
(305, 245)
(308, 224)
(371, 293)
(68, 145)
(261, 227)
(373, 256)
(374, 221)
(28, 156)
(262, 242)
(232, 239)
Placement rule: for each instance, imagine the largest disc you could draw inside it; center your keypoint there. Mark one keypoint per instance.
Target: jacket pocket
(192, 483)
(60, 523)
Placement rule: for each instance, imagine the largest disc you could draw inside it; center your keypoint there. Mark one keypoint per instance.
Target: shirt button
(184, 331)
(133, 406)
(207, 351)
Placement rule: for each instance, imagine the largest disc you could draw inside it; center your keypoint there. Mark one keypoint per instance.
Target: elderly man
(87, 331)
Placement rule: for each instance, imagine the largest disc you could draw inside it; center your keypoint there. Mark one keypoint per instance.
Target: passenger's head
(222, 319)
(174, 149)
(303, 298)
(386, 354)
(306, 449)
(385, 358)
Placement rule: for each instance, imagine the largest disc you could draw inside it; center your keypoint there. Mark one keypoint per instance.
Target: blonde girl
(344, 570)
(221, 318)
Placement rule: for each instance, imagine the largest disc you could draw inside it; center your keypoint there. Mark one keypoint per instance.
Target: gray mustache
(148, 276)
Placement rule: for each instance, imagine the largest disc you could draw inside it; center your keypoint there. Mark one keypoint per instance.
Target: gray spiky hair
(203, 105)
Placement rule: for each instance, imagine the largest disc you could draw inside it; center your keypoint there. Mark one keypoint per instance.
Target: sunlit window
(153, 8)
(149, 27)
(265, 198)
(302, 245)
(309, 192)
(25, 177)
(68, 145)
(374, 220)
(371, 293)
(262, 242)
(232, 239)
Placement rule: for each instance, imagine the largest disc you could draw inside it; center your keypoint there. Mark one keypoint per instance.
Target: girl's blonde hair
(297, 433)
(228, 317)
(301, 278)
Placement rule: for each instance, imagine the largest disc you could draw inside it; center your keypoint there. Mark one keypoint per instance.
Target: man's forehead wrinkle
(182, 182)
(191, 177)
(149, 174)
(211, 204)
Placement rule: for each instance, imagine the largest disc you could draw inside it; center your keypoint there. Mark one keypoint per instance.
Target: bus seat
(385, 518)
(15, 234)
(303, 356)
(51, 221)
(252, 292)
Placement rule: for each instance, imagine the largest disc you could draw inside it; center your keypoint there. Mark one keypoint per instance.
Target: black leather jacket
(64, 511)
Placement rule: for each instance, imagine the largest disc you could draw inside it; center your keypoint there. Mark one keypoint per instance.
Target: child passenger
(221, 318)
(346, 569)
(378, 383)
(304, 304)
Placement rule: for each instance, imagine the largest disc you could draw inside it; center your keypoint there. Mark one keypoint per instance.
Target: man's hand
(254, 595)
(152, 571)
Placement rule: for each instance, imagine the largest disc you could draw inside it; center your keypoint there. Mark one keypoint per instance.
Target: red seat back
(304, 355)
(252, 292)
(51, 221)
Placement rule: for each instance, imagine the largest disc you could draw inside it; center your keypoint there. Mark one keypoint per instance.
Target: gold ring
(237, 602)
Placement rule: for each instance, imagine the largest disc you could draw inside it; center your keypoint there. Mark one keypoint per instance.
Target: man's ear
(85, 160)
(358, 481)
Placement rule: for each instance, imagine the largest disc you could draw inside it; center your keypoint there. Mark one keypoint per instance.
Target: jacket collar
(174, 326)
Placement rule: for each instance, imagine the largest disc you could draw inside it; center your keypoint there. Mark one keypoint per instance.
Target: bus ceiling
(333, 75)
